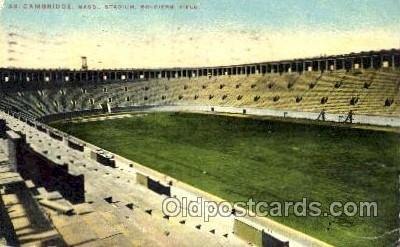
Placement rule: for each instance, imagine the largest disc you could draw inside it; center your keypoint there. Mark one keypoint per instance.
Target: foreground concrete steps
(29, 223)
(78, 224)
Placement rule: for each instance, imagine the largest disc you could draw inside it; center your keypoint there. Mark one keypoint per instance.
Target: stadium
(298, 151)
(278, 130)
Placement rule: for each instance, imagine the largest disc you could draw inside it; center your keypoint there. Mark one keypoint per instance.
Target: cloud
(122, 50)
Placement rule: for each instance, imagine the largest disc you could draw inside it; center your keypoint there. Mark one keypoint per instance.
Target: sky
(192, 33)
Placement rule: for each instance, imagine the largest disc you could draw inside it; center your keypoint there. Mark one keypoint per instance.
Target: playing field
(240, 158)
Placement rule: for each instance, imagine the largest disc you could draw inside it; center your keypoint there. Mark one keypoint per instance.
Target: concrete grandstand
(339, 84)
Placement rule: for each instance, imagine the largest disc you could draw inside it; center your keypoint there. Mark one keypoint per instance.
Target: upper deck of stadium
(360, 60)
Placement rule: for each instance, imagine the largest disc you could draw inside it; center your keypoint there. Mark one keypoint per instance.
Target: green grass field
(238, 158)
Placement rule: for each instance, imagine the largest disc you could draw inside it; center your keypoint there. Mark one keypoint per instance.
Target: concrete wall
(392, 121)
(247, 232)
(359, 119)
